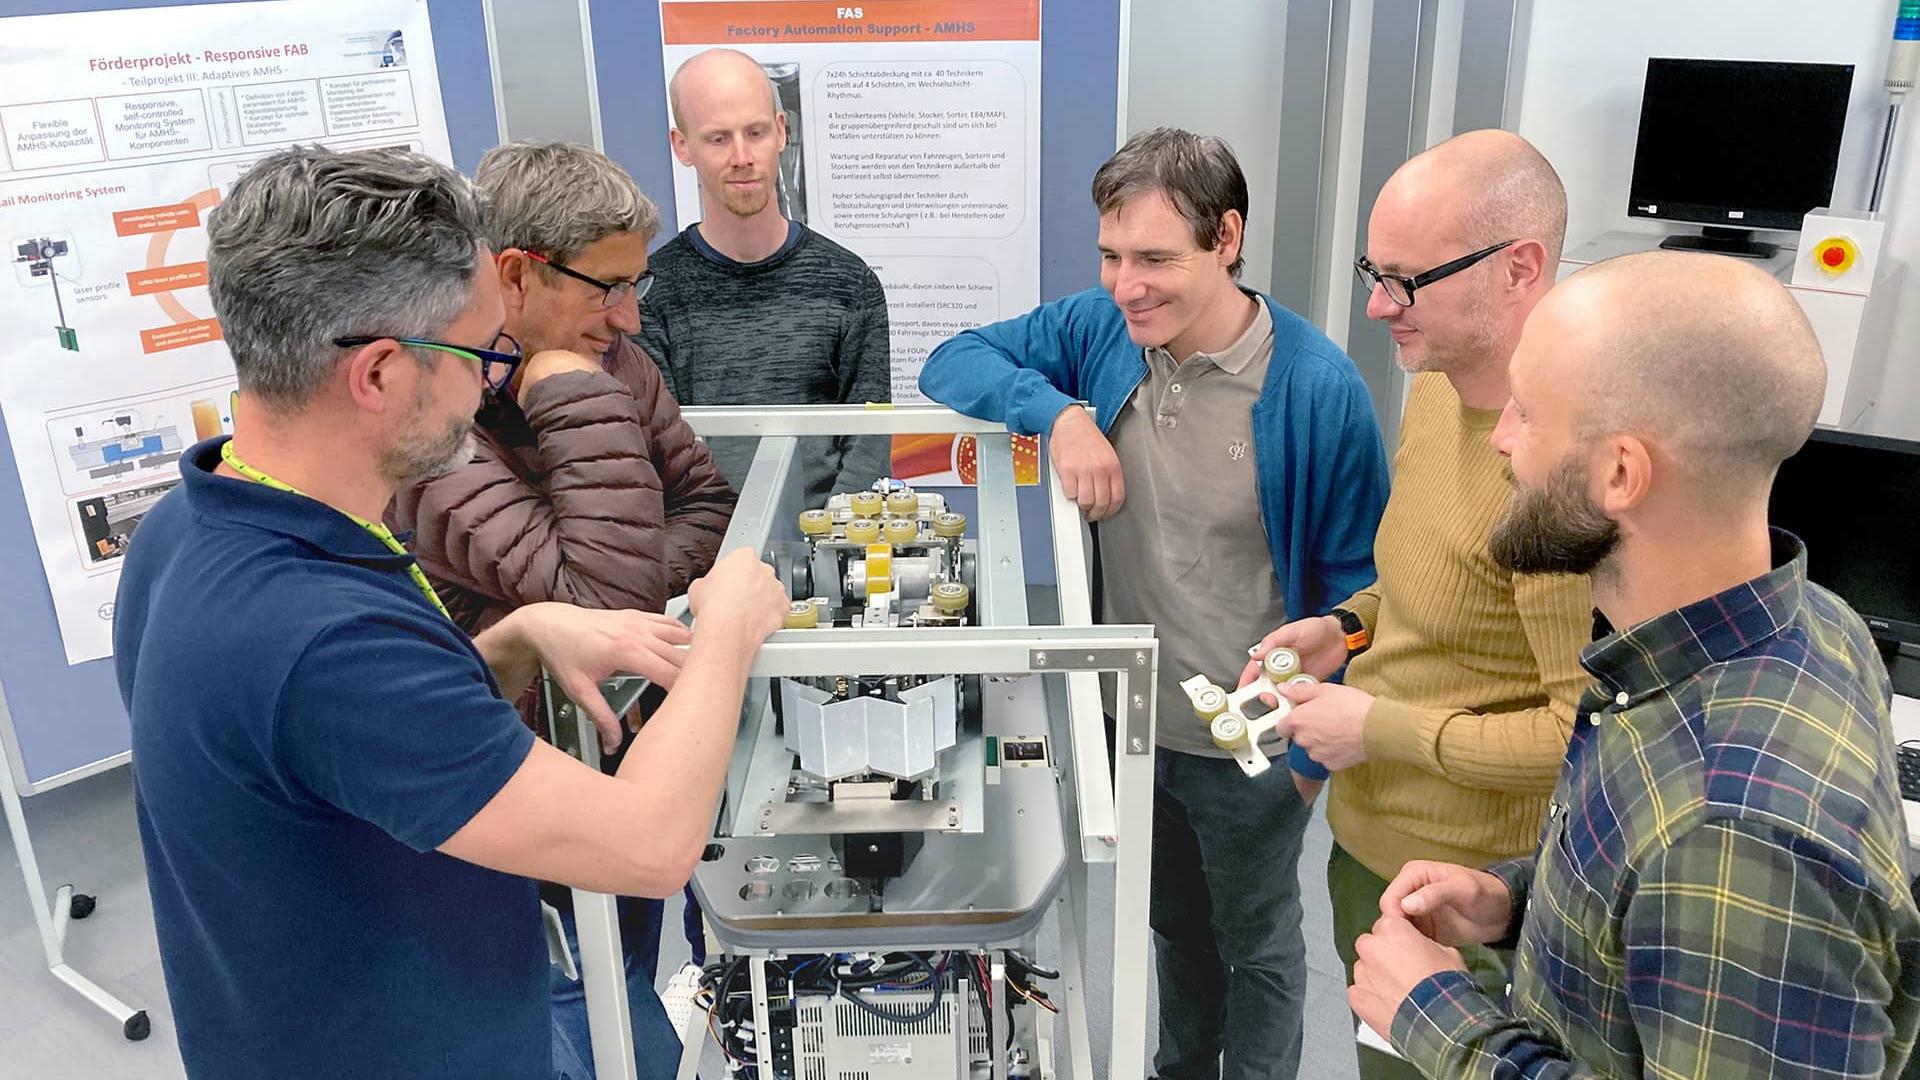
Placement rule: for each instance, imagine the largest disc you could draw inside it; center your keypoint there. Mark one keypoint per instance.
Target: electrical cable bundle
(891, 972)
(727, 996)
(1021, 972)
(729, 1015)
(858, 979)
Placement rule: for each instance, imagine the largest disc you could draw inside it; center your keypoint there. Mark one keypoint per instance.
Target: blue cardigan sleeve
(1345, 464)
(1020, 372)
(1347, 493)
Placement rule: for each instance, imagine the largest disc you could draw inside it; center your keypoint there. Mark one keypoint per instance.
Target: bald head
(1486, 187)
(1709, 357)
(717, 77)
(1461, 199)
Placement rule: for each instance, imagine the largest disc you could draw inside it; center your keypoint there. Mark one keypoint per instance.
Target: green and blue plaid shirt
(1721, 885)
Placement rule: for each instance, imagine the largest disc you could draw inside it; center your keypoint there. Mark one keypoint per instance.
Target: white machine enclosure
(921, 777)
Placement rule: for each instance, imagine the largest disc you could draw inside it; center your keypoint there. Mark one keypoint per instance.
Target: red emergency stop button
(1835, 255)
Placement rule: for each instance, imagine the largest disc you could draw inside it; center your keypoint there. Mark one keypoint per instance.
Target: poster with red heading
(913, 140)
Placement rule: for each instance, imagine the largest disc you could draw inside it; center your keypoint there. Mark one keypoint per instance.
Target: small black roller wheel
(137, 1027)
(82, 906)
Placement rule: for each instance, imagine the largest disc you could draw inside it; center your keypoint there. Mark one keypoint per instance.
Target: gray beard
(423, 460)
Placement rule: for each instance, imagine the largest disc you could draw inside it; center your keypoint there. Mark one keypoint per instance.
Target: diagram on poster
(913, 139)
(120, 132)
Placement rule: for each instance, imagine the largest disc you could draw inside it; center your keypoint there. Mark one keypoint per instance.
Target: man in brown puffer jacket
(585, 485)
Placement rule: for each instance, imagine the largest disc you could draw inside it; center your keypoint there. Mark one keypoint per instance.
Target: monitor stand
(1718, 240)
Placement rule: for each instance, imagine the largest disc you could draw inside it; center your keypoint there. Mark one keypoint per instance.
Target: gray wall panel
(1386, 145)
(1302, 119)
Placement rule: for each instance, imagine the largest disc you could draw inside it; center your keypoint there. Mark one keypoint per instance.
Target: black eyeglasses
(613, 293)
(496, 364)
(1400, 289)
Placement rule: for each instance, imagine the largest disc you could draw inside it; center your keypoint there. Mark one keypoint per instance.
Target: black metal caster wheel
(82, 906)
(137, 1027)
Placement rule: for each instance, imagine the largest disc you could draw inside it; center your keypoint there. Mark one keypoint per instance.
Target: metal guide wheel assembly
(1224, 711)
(888, 556)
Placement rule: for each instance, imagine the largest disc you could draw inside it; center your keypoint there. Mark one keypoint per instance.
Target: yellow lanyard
(380, 532)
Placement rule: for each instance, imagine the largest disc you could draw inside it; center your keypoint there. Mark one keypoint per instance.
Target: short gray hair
(1197, 173)
(558, 198)
(315, 244)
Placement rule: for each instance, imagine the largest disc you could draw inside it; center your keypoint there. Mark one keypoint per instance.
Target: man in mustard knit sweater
(1446, 738)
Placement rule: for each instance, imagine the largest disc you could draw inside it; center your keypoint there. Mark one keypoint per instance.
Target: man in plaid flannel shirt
(1720, 888)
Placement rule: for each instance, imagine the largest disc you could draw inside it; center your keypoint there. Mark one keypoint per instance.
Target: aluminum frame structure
(1107, 814)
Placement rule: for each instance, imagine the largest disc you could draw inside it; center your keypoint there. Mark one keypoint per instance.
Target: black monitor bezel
(1706, 214)
(1884, 628)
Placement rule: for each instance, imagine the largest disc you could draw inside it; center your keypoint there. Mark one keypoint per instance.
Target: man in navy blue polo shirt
(341, 812)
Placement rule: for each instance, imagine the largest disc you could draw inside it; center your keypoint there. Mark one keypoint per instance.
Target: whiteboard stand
(53, 918)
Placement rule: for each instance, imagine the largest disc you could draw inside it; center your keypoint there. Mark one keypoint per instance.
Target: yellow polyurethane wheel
(950, 525)
(879, 569)
(802, 615)
(866, 504)
(863, 530)
(1281, 664)
(815, 523)
(900, 530)
(1302, 679)
(903, 503)
(951, 597)
(1209, 702)
(1228, 731)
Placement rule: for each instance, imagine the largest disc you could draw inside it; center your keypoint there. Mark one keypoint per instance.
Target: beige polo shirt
(1188, 550)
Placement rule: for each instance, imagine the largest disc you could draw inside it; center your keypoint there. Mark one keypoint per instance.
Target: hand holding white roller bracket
(1224, 711)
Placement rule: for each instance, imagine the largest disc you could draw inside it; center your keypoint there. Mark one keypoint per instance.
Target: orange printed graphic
(180, 335)
(152, 219)
(787, 22)
(157, 243)
(206, 419)
(166, 278)
(932, 455)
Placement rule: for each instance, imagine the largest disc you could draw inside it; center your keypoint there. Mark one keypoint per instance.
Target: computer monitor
(1855, 501)
(1737, 145)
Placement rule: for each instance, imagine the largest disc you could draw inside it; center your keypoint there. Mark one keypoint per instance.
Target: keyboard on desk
(1907, 760)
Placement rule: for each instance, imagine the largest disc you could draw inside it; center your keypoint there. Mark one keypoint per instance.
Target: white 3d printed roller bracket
(1224, 712)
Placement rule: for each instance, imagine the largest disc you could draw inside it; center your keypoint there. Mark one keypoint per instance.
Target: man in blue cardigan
(1232, 457)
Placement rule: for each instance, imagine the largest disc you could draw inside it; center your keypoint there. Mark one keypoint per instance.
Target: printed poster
(913, 139)
(119, 132)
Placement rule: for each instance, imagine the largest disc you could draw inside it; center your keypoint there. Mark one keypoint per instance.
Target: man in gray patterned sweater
(750, 308)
